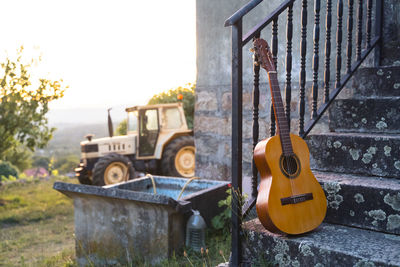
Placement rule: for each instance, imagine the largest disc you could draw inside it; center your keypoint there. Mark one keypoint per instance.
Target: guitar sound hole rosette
(290, 166)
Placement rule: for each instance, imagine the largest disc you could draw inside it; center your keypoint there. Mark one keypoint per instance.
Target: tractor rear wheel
(112, 169)
(179, 157)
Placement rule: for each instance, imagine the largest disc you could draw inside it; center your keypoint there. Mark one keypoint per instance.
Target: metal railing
(364, 44)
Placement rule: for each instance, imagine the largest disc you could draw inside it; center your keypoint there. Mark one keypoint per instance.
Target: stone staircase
(358, 165)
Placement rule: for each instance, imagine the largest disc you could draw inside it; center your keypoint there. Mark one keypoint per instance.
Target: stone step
(328, 245)
(361, 201)
(363, 154)
(373, 82)
(373, 115)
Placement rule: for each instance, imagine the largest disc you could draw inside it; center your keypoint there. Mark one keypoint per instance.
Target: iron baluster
(256, 101)
(317, 7)
(275, 59)
(339, 42)
(237, 100)
(378, 31)
(359, 29)
(303, 51)
(369, 22)
(327, 74)
(349, 36)
(288, 88)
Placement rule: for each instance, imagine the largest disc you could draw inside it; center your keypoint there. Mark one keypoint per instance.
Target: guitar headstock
(263, 54)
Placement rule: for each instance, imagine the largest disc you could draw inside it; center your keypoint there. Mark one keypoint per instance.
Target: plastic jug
(195, 231)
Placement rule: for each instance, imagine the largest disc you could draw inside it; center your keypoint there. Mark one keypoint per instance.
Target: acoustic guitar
(290, 199)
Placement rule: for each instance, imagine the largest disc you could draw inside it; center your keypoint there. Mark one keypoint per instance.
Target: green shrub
(7, 170)
(171, 96)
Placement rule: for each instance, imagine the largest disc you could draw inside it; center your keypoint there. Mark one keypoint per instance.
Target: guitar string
(286, 159)
(277, 106)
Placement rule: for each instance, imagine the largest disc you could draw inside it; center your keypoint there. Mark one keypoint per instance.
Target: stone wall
(213, 93)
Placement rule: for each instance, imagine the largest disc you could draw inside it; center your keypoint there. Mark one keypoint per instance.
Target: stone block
(212, 125)
(227, 101)
(373, 82)
(381, 115)
(364, 154)
(362, 201)
(206, 101)
(329, 246)
(212, 170)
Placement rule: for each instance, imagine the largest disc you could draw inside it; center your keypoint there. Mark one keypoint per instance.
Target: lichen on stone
(352, 213)
(359, 198)
(329, 143)
(387, 150)
(393, 222)
(377, 215)
(396, 86)
(363, 263)
(337, 144)
(367, 157)
(355, 153)
(281, 251)
(364, 120)
(332, 187)
(380, 72)
(334, 201)
(372, 150)
(305, 249)
(397, 165)
(381, 125)
(393, 201)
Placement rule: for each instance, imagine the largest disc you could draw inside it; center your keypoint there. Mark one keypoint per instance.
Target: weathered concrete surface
(373, 83)
(115, 224)
(361, 201)
(114, 231)
(328, 245)
(371, 115)
(364, 154)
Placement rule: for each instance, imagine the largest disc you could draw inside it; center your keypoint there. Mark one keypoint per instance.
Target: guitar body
(291, 201)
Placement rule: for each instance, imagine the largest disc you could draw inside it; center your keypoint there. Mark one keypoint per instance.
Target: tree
(171, 96)
(20, 157)
(122, 128)
(7, 170)
(23, 105)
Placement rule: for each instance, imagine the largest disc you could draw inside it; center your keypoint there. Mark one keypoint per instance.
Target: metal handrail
(259, 27)
(241, 12)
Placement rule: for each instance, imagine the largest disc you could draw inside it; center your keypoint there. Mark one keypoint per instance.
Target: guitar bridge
(296, 199)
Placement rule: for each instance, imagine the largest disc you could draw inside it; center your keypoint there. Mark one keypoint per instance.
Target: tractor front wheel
(82, 174)
(179, 157)
(112, 169)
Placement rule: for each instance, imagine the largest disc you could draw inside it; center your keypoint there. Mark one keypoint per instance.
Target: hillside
(67, 137)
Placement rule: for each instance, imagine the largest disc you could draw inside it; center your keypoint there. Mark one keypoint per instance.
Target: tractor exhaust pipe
(110, 125)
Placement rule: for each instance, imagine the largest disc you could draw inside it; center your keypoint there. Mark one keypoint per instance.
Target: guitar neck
(281, 121)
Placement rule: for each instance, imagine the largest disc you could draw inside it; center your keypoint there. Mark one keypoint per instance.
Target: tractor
(158, 141)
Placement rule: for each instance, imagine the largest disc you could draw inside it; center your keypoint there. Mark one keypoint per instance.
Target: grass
(37, 229)
(36, 225)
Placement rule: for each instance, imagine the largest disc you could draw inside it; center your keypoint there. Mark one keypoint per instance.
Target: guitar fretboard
(281, 121)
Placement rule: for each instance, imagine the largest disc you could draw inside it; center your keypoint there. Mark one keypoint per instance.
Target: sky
(110, 53)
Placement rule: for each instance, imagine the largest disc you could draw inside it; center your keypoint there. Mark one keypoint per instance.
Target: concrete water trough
(115, 224)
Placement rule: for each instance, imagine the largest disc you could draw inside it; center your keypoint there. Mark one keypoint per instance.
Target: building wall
(213, 92)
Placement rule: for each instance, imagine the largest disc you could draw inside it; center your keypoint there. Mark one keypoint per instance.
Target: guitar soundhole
(290, 166)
